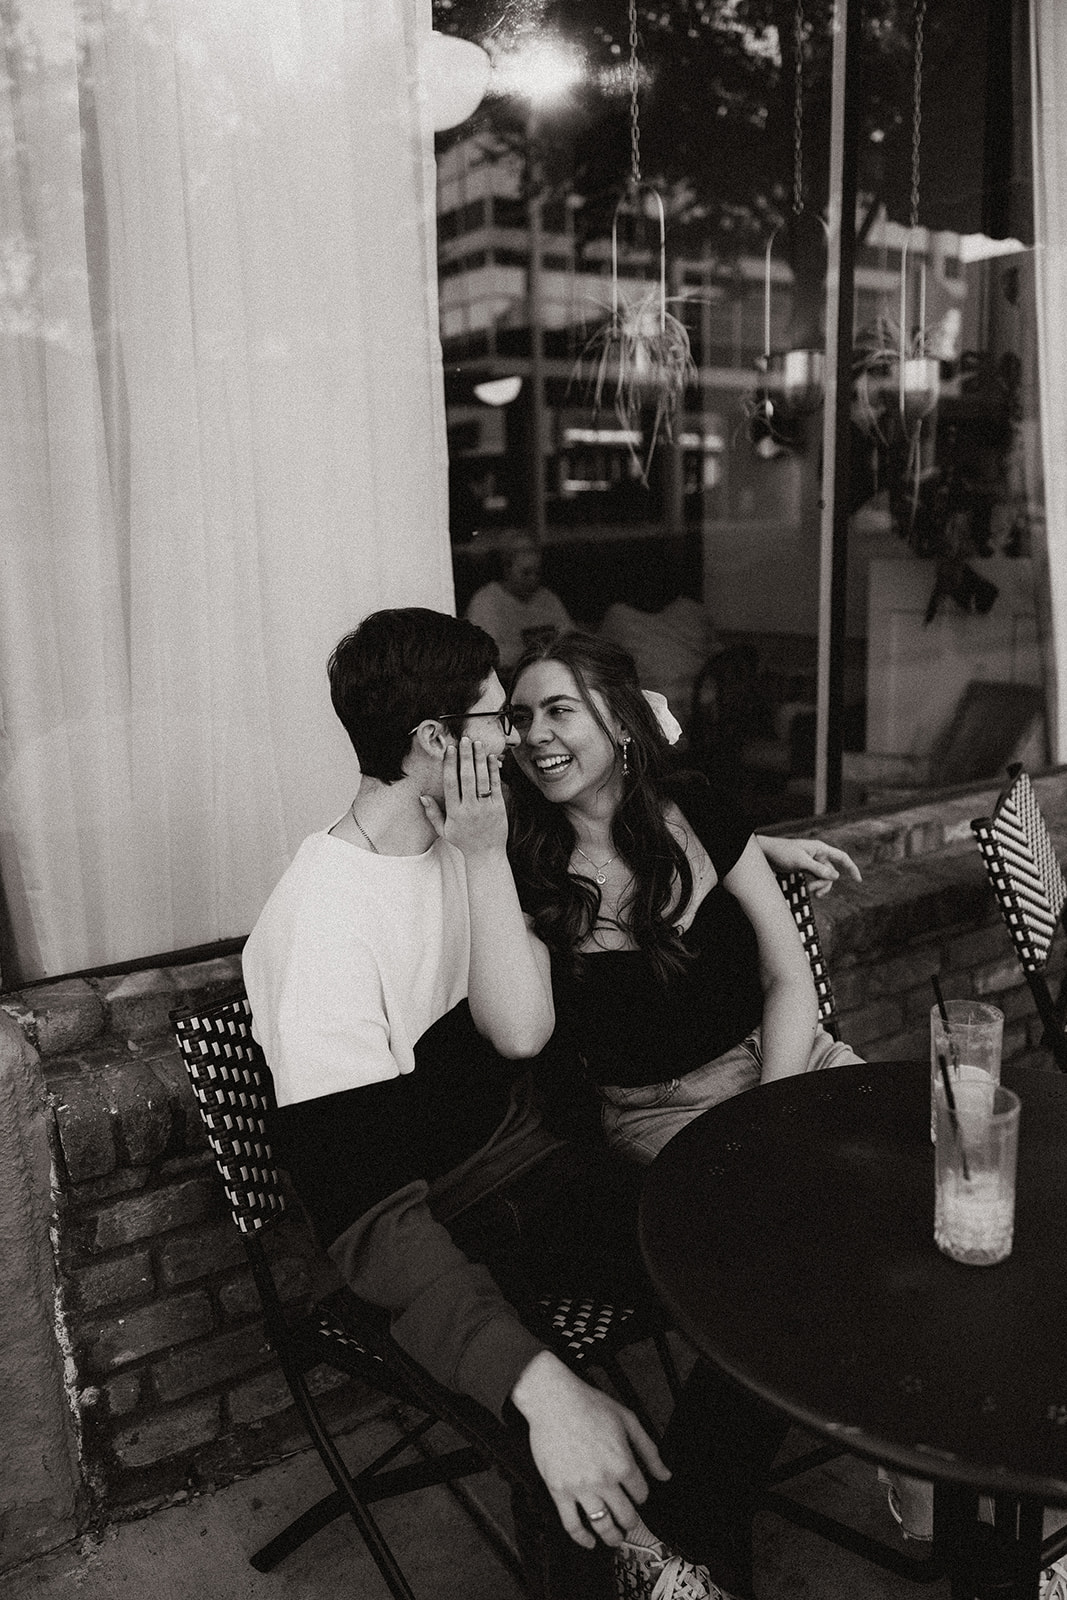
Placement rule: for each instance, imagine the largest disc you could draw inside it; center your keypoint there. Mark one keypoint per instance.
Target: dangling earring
(626, 758)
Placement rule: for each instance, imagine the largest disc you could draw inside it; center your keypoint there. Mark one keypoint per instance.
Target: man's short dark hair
(399, 667)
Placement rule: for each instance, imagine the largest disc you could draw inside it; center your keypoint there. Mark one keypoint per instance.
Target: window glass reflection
(944, 666)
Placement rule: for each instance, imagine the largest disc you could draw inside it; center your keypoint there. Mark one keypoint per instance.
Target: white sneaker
(651, 1572)
(1054, 1581)
(911, 1504)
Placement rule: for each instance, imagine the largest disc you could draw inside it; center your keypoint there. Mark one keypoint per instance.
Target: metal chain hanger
(917, 109)
(644, 352)
(635, 187)
(913, 215)
(917, 371)
(799, 29)
(798, 108)
(635, 125)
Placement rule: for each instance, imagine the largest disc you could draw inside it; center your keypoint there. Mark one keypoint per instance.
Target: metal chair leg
(669, 1365)
(371, 1534)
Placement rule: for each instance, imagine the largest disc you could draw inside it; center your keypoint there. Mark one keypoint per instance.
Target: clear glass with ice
(971, 1045)
(975, 1160)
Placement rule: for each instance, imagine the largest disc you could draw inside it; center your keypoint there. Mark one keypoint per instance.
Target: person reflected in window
(517, 609)
(677, 970)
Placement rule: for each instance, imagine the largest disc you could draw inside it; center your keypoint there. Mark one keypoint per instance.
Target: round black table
(790, 1232)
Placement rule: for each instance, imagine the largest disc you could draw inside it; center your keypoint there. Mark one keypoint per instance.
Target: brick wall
(173, 1379)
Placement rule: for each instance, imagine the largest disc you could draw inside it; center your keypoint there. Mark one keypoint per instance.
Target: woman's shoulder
(690, 798)
(692, 795)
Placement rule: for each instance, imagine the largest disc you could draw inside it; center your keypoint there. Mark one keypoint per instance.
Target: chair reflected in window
(992, 723)
(1024, 870)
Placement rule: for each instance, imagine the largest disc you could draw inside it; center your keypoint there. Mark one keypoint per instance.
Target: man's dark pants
(570, 1223)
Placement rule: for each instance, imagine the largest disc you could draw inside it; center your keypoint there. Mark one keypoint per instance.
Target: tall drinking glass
(974, 1185)
(971, 1045)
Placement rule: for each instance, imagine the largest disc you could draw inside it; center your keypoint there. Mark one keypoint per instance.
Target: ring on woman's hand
(596, 1516)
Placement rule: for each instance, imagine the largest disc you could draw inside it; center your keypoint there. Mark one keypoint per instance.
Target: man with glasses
(397, 993)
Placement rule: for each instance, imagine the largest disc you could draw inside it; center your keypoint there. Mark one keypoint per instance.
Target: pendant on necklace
(600, 878)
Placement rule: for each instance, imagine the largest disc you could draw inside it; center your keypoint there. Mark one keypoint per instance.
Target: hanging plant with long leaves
(643, 357)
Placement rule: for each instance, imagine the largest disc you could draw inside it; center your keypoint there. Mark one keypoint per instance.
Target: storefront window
(945, 660)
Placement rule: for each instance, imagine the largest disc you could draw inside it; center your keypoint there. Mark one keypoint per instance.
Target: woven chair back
(234, 1092)
(1021, 861)
(794, 885)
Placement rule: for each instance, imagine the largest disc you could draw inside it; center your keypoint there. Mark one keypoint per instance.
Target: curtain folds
(222, 444)
(1048, 22)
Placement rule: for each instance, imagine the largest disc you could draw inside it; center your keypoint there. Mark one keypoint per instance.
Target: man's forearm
(446, 1312)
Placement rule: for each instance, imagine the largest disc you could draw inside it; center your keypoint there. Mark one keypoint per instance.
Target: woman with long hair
(678, 972)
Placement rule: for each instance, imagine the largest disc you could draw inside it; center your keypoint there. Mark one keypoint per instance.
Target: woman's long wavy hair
(564, 905)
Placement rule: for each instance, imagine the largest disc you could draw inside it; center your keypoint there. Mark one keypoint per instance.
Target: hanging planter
(798, 377)
(918, 374)
(918, 380)
(643, 356)
(919, 386)
(897, 384)
(793, 382)
(802, 380)
(897, 360)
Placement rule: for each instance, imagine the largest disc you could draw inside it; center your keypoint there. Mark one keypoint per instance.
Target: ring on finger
(596, 1516)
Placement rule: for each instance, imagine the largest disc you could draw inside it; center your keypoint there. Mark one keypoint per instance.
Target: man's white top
(352, 959)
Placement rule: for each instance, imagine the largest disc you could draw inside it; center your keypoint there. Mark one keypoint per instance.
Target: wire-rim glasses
(503, 716)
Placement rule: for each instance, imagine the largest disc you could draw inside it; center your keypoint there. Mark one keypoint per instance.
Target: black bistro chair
(1031, 890)
(234, 1092)
(794, 885)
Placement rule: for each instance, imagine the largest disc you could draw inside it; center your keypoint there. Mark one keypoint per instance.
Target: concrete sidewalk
(201, 1547)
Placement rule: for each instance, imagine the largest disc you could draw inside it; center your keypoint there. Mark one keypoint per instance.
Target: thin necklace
(362, 829)
(599, 871)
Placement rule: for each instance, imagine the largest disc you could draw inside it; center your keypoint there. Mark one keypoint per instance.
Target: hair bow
(669, 725)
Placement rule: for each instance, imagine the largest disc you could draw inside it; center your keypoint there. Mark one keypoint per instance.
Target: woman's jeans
(639, 1122)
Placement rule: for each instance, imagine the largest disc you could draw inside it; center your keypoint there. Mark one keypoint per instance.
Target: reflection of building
(486, 291)
(744, 507)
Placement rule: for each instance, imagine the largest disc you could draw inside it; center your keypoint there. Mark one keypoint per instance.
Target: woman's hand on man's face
(474, 818)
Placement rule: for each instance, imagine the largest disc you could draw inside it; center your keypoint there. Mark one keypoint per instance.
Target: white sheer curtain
(222, 442)
(1048, 20)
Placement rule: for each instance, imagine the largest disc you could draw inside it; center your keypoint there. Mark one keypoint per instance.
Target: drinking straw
(950, 1101)
(943, 1009)
(950, 1098)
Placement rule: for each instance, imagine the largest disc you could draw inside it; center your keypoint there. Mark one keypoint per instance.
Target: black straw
(939, 997)
(950, 1101)
(953, 1048)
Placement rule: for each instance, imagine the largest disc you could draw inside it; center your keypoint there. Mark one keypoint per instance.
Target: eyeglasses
(503, 716)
